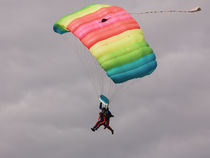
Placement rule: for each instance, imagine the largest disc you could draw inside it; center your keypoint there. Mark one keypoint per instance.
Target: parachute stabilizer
(197, 9)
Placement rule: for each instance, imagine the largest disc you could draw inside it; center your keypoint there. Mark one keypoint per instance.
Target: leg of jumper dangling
(98, 124)
(110, 128)
(107, 126)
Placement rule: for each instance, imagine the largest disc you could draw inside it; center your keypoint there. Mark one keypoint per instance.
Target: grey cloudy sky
(47, 104)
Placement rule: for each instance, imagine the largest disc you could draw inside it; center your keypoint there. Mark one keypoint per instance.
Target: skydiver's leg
(97, 125)
(100, 123)
(106, 124)
(110, 129)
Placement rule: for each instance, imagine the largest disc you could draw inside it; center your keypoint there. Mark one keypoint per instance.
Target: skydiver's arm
(100, 106)
(110, 113)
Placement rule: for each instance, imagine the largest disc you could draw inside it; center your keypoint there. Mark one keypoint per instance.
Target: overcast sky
(47, 104)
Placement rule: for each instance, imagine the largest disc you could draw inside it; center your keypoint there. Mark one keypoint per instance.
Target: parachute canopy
(114, 38)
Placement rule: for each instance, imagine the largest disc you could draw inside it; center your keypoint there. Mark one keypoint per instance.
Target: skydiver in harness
(104, 116)
(101, 119)
(108, 115)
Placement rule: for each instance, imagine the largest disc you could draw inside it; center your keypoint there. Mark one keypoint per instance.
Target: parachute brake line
(168, 11)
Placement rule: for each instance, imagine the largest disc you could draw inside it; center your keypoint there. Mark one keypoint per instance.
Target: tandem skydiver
(104, 118)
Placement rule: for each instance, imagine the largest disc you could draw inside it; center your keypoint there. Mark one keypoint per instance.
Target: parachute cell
(114, 38)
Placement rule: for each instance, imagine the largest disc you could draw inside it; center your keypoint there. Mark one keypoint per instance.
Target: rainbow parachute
(114, 38)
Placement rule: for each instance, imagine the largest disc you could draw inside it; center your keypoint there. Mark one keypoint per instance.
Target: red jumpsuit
(101, 121)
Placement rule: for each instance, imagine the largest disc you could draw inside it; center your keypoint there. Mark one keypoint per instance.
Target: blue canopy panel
(136, 69)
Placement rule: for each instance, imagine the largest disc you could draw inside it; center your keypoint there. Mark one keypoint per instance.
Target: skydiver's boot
(112, 131)
(93, 129)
